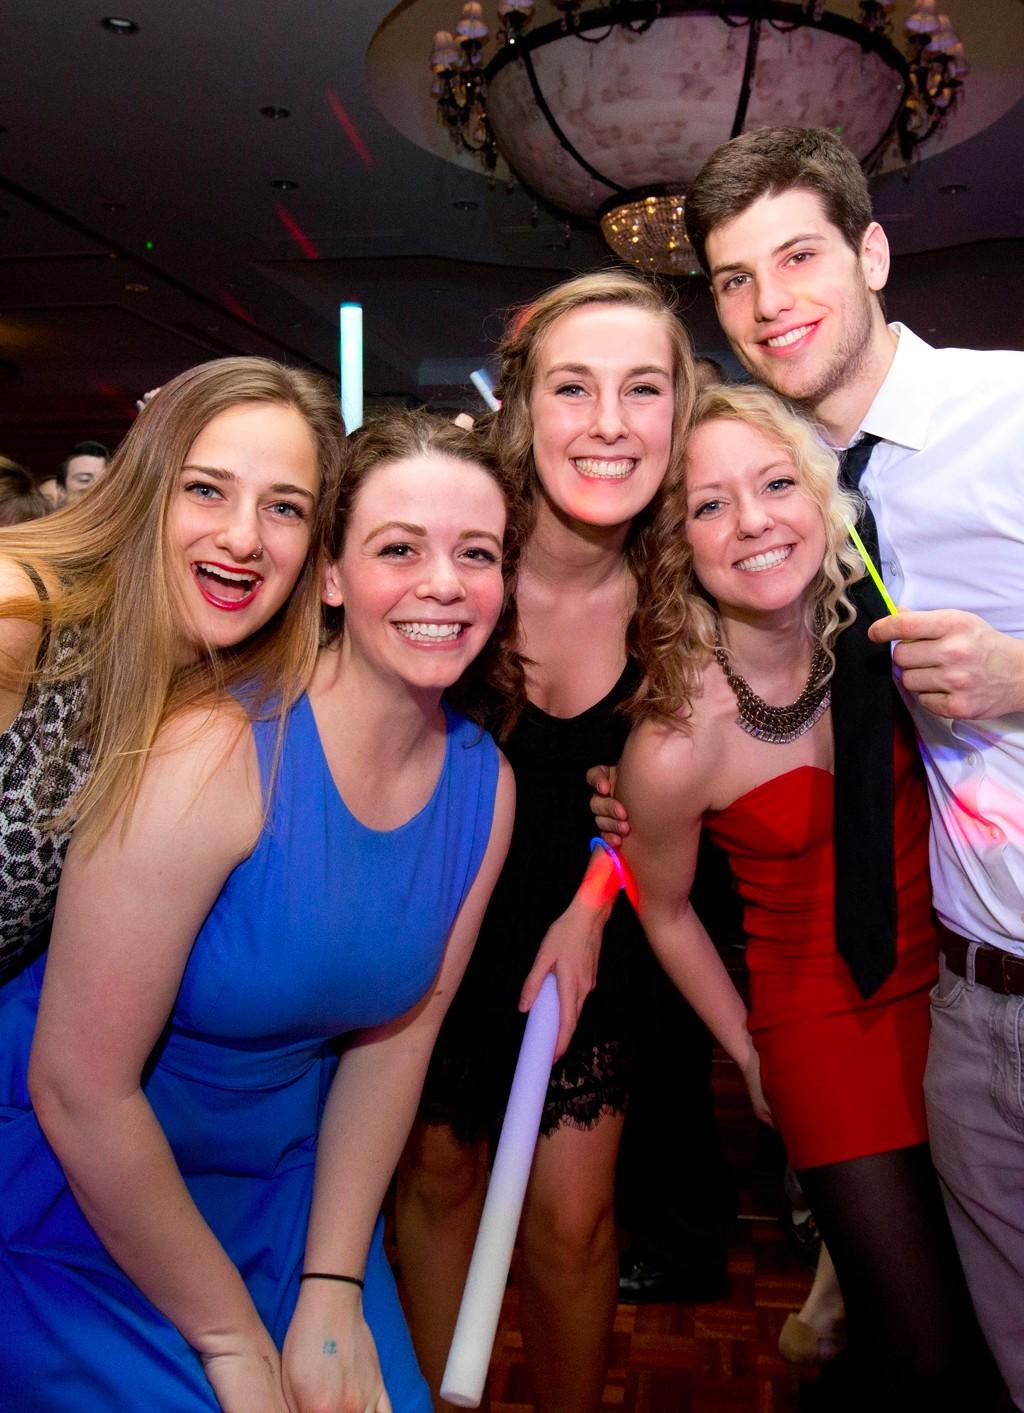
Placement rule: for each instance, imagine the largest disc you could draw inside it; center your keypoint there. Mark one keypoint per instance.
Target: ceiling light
(271, 111)
(465, 205)
(648, 229)
(117, 24)
(136, 287)
(284, 184)
(609, 113)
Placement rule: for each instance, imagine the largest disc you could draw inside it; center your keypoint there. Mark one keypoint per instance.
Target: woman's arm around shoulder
(127, 914)
(329, 1355)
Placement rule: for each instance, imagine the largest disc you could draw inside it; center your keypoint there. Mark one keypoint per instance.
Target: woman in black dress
(597, 387)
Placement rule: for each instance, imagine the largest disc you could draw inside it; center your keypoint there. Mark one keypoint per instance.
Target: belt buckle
(1006, 976)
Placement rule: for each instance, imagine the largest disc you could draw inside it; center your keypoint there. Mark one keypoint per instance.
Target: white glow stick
(481, 380)
(350, 359)
(470, 1354)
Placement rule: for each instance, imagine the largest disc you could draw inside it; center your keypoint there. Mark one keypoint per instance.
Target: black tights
(913, 1339)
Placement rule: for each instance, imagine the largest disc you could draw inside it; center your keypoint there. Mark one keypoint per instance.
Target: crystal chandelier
(609, 112)
(650, 233)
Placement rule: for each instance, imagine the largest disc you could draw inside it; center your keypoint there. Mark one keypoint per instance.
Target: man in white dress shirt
(781, 220)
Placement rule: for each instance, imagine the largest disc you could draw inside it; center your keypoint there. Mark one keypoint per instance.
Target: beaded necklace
(778, 725)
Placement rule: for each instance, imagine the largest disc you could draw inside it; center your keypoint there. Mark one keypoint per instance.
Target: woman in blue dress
(192, 1177)
(152, 592)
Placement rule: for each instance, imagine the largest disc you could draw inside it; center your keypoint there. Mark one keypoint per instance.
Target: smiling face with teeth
(756, 534)
(239, 522)
(798, 304)
(602, 412)
(419, 576)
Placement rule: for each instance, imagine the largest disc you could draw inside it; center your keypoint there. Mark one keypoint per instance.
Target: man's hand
(609, 815)
(955, 663)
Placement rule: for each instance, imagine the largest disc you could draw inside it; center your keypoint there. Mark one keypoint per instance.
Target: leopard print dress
(41, 766)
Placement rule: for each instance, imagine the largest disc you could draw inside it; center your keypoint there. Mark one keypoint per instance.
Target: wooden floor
(714, 1358)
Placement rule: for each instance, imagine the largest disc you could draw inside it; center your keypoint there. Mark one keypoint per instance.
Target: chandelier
(609, 112)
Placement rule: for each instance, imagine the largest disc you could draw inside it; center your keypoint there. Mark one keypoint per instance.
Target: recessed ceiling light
(112, 205)
(271, 111)
(283, 184)
(953, 189)
(466, 205)
(117, 24)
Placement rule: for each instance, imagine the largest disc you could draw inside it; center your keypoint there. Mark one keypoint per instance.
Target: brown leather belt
(999, 971)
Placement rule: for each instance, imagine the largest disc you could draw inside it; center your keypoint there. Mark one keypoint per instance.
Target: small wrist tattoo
(330, 1346)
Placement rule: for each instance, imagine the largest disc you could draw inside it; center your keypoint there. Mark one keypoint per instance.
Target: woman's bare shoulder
(213, 735)
(203, 775)
(669, 761)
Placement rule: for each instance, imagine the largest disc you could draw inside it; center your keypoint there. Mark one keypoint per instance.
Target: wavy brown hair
(495, 677)
(511, 428)
(769, 162)
(103, 561)
(677, 623)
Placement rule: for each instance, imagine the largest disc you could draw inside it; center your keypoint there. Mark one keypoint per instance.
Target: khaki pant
(974, 1091)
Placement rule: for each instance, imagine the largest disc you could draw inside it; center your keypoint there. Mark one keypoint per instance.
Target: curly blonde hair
(677, 623)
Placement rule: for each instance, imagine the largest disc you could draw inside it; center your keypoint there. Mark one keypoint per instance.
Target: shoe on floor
(643, 1281)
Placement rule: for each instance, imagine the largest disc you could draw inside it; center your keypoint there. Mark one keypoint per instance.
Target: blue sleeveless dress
(327, 927)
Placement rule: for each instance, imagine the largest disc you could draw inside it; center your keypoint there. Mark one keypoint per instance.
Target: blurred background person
(20, 497)
(50, 492)
(81, 470)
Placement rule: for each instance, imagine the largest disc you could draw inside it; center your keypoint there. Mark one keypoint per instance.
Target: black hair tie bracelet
(326, 1276)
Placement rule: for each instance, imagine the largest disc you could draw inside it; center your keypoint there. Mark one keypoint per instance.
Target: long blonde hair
(103, 562)
(676, 624)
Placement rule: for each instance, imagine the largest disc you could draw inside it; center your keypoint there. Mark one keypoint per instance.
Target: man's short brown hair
(768, 162)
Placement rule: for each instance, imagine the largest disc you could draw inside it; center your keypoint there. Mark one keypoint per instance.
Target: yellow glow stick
(869, 566)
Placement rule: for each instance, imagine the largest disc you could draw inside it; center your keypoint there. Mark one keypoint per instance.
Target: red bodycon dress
(842, 1074)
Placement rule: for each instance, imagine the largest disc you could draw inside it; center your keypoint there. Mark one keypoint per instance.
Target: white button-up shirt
(946, 487)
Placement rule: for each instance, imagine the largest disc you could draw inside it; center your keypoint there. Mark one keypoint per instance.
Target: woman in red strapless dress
(756, 560)
(843, 1074)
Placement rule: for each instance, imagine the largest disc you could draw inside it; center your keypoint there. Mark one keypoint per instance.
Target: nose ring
(256, 552)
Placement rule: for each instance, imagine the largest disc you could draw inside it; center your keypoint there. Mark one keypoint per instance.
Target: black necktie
(863, 706)
(852, 465)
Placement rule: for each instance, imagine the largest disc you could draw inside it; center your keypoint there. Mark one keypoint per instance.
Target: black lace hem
(585, 1085)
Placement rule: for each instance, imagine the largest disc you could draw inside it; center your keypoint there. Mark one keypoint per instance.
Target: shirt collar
(902, 409)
